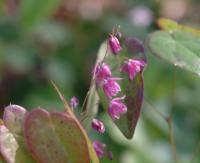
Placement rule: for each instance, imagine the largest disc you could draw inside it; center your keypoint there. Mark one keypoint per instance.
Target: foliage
(58, 41)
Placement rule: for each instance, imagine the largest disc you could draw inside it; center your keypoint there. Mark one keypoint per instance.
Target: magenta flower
(111, 87)
(98, 125)
(114, 44)
(132, 67)
(116, 108)
(99, 148)
(74, 102)
(102, 72)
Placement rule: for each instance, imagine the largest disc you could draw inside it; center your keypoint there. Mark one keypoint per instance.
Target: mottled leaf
(55, 137)
(13, 149)
(13, 118)
(178, 47)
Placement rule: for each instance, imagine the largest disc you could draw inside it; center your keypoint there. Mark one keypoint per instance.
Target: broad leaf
(178, 47)
(132, 89)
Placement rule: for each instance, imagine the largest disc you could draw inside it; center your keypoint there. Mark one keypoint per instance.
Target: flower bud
(114, 44)
(98, 125)
(99, 148)
(110, 155)
(74, 102)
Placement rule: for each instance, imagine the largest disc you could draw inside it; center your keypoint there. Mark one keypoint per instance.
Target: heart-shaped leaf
(132, 89)
(178, 47)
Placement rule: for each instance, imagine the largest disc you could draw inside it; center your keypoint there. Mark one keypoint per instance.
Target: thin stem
(172, 140)
(84, 116)
(154, 109)
(88, 92)
(173, 87)
(171, 135)
(92, 81)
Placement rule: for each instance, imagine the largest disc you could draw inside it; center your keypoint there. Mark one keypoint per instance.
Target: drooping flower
(114, 44)
(111, 87)
(132, 67)
(110, 155)
(74, 102)
(98, 125)
(102, 72)
(116, 108)
(99, 148)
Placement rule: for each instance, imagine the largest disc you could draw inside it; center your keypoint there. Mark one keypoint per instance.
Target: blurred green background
(58, 39)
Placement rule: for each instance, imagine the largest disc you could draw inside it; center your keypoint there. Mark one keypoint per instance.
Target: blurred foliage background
(58, 39)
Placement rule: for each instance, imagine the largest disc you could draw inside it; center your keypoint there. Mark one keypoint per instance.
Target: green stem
(172, 140)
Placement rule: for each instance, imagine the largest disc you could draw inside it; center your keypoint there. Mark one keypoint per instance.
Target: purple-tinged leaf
(91, 99)
(13, 150)
(132, 88)
(13, 118)
(8, 144)
(55, 137)
(135, 48)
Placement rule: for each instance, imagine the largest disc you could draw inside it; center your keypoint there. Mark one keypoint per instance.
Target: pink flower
(132, 67)
(111, 87)
(116, 108)
(74, 102)
(99, 148)
(102, 72)
(98, 125)
(114, 44)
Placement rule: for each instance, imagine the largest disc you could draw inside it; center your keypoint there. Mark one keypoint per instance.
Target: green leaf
(132, 89)
(178, 47)
(33, 11)
(170, 26)
(55, 137)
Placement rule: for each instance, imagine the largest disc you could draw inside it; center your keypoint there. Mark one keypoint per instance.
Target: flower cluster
(103, 76)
